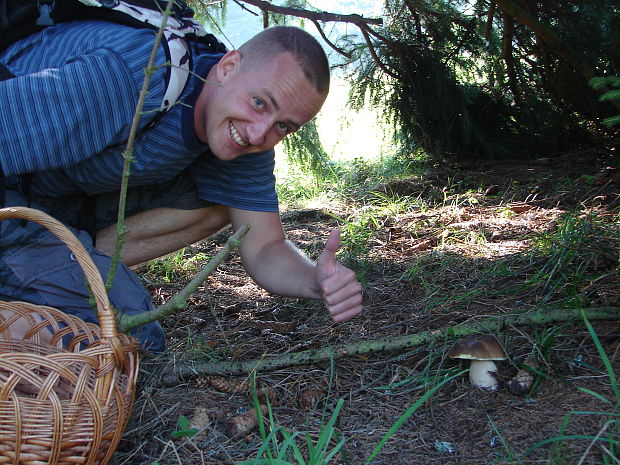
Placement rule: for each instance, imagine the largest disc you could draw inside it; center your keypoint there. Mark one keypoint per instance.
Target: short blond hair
(304, 47)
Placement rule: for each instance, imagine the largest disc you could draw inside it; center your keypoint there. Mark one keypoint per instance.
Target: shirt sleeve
(247, 183)
(59, 116)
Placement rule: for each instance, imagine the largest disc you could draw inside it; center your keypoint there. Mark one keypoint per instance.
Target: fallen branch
(492, 324)
(179, 301)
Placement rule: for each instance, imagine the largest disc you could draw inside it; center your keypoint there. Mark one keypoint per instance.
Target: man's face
(254, 106)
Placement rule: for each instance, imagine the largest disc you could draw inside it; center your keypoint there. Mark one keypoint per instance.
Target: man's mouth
(235, 135)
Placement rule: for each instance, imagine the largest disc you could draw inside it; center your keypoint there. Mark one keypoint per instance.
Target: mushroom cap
(478, 348)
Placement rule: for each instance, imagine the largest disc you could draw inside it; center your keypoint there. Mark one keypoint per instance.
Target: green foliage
(304, 148)
(599, 83)
(212, 15)
(352, 179)
(175, 266)
(183, 429)
(455, 88)
(607, 438)
(281, 447)
(572, 254)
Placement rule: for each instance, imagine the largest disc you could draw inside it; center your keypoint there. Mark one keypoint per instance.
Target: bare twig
(312, 15)
(329, 42)
(492, 324)
(373, 53)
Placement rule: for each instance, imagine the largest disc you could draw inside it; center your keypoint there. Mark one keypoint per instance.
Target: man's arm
(280, 267)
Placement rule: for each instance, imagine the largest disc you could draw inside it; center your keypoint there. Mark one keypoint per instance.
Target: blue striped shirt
(73, 101)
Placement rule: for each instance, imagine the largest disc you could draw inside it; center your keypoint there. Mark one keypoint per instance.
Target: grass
(607, 439)
(572, 254)
(352, 180)
(283, 447)
(561, 264)
(175, 266)
(564, 261)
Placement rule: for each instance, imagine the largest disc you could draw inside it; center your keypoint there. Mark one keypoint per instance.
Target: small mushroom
(481, 350)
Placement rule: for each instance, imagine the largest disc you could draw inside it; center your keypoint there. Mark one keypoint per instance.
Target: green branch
(128, 153)
(488, 325)
(179, 301)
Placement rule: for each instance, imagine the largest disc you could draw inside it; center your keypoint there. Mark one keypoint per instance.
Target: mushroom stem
(481, 374)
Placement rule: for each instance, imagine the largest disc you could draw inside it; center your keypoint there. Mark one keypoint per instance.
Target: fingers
(346, 310)
(326, 264)
(342, 294)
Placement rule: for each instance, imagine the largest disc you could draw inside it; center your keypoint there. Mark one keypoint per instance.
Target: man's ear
(228, 64)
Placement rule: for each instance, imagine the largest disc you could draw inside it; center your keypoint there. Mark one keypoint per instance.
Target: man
(205, 163)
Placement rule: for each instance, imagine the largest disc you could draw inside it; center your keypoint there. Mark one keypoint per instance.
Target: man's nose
(257, 131)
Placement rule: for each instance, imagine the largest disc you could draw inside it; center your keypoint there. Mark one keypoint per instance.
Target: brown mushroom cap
(478, 348)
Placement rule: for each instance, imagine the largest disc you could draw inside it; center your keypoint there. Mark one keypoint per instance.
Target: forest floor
(476, 244)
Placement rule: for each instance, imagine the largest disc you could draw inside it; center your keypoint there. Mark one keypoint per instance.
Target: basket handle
(105, 312)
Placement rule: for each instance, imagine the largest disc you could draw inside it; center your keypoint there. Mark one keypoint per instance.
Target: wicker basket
(66, 387)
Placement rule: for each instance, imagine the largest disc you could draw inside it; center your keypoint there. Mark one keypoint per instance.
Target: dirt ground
(463, 255)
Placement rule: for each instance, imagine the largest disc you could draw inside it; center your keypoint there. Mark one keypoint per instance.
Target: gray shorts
(36, 267)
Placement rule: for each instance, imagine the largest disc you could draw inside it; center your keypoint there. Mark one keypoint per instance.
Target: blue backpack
(20, 18)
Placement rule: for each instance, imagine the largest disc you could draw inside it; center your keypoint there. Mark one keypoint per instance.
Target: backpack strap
(179, 56)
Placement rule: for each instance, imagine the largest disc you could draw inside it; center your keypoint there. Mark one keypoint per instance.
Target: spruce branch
(487, 325)
(179, 300)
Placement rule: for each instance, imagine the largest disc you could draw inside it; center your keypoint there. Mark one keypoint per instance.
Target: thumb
(333, 242)
(326, 264)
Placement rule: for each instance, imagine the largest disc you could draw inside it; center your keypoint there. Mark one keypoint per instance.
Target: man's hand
(342, 293)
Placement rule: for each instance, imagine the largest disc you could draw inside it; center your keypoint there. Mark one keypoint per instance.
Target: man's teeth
(235, 135)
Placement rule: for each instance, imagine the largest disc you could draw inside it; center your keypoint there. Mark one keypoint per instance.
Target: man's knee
(45, 272)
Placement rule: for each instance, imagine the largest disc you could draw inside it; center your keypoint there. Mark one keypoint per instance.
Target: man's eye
(283, 127)
(259, 102)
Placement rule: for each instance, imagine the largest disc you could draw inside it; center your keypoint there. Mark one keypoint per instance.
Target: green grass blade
(335, 450)
(571, 437)
(595, 394)
(264, 447)
(607, 414)
(556, 448)
(298, 455)
(265, 462)
(509, 450)
(604, 358)
(289, 441)
(405, 416)
(327, 432)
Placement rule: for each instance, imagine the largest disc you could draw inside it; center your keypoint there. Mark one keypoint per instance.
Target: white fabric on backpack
(174, 32)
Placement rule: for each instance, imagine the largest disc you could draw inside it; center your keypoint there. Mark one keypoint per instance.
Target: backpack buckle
(45, 8)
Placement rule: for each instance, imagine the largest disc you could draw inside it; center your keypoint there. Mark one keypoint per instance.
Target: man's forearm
(281, 268)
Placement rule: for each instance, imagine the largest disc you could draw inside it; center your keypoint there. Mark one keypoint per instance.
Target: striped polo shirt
(67, 113)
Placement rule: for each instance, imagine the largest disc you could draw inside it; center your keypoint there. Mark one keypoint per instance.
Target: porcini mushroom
(482, 351)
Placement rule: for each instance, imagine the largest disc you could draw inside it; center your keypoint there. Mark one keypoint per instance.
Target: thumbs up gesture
(341, 291)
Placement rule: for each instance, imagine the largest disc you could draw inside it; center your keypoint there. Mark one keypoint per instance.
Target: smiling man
(197, 167)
